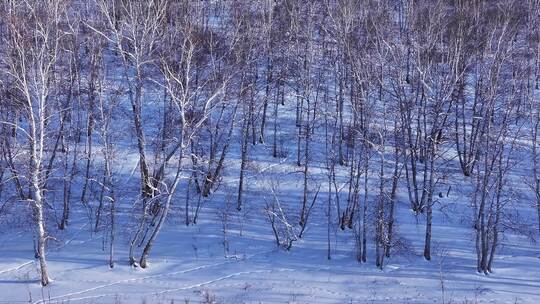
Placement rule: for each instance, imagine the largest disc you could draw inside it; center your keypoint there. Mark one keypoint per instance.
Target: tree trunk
(146, 251)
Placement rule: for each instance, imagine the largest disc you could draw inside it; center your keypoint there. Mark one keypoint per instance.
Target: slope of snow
(189, 263)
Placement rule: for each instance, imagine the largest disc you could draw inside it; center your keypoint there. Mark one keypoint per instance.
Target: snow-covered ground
(189, 264)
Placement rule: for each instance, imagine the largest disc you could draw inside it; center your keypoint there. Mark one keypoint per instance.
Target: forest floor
(189, 264)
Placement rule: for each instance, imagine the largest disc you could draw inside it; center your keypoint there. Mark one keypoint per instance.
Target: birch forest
(374, 138)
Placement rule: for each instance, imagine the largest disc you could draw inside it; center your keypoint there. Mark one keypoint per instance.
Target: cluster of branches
(402, 96)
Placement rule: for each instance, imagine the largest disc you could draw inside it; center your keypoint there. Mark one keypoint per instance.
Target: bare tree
(35, 33)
